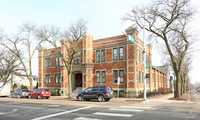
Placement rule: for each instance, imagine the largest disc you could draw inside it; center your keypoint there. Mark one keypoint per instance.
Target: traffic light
(147, 75)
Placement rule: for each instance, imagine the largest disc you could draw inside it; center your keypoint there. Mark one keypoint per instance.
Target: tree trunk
(70, 82)
(178, 90)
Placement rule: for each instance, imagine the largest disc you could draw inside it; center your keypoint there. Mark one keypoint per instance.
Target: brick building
(101, 62)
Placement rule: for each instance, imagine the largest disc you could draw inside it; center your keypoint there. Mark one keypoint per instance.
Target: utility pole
(144, 64)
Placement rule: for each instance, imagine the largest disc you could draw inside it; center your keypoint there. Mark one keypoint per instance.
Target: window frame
(115, 78)
(121, 76)
(98, 77)
(98, 56)
(47, 78)
(103, 56)
(139, 77)
(121, 53)
(115, 55)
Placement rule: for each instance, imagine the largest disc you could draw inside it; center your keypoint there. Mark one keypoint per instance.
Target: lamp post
(144, 60)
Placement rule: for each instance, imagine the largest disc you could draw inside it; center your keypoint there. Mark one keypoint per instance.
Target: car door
(95, 92)
(15, 93)
(87, 93)
(34, 93)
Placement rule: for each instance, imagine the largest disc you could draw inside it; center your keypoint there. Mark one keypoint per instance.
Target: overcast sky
(103, 17)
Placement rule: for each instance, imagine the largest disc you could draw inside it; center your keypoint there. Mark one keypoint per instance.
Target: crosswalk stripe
(136, 107)
(61, 113)
(113, 114)
(128, 110)
(84, 118)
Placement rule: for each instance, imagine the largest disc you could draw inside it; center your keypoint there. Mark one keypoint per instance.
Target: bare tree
(9, 64)
(23, 45)
(69, 40)
(167, 20)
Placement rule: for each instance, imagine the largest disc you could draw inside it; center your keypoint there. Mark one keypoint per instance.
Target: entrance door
(78, 80)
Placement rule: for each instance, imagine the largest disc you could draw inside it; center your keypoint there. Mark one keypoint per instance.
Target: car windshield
(46, 90)
(24, 90)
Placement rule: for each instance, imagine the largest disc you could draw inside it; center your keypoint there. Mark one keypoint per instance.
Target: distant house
(20, 79)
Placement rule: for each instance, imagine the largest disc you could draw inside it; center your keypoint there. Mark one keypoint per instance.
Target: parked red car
(40, 93)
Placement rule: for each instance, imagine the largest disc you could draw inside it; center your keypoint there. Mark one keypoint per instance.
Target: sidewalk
(155, 99)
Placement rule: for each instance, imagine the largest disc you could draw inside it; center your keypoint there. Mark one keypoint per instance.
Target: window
(57, 78)
(47, 78)
(116, 74)
(57, 61)
(84, 53)
(98, 56)
(139, 77)
(84, 78)
(103, 56)
(103, 76)
(121, 53)
(98, 76)
(138, 54)
(114, 54)
(77, 61)
(47, 62)
(121, 75)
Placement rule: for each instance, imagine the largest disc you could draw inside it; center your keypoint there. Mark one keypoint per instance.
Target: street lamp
(144, 59)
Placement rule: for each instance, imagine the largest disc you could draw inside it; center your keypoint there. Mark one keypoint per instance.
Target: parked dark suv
(97, 92)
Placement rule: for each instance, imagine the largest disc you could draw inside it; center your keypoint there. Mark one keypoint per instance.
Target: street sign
(148, 66)
(132, 39)
(148, 62)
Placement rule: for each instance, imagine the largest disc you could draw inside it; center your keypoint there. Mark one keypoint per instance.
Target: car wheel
(39, 97)
(29, 96)
(47, 97)
(18, 96)
(80, 98)
(107, 99)
(100, 98)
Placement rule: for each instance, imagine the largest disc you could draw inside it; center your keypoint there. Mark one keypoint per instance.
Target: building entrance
(78, 80)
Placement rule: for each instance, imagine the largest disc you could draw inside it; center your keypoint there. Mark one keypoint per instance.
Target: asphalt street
(27, 110)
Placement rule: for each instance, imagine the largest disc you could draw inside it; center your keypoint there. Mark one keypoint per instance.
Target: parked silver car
(19, 93)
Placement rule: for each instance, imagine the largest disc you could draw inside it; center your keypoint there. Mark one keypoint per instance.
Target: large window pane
(98, 76)
(56, 78)
(115, 54)
(103, 76)
(139, 77)
(115, 75)
(121, 75)
(103, 56)
(98, 56)
(121, 53)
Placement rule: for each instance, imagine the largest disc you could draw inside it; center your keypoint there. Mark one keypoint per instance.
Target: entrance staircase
(76, 91)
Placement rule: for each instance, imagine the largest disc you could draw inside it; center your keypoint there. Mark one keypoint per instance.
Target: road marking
(61, 113)
(14, 110)
(136, 107)
(126, 110)
(84, 118)
(147, 105)
(23, 106)
(113, 114)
